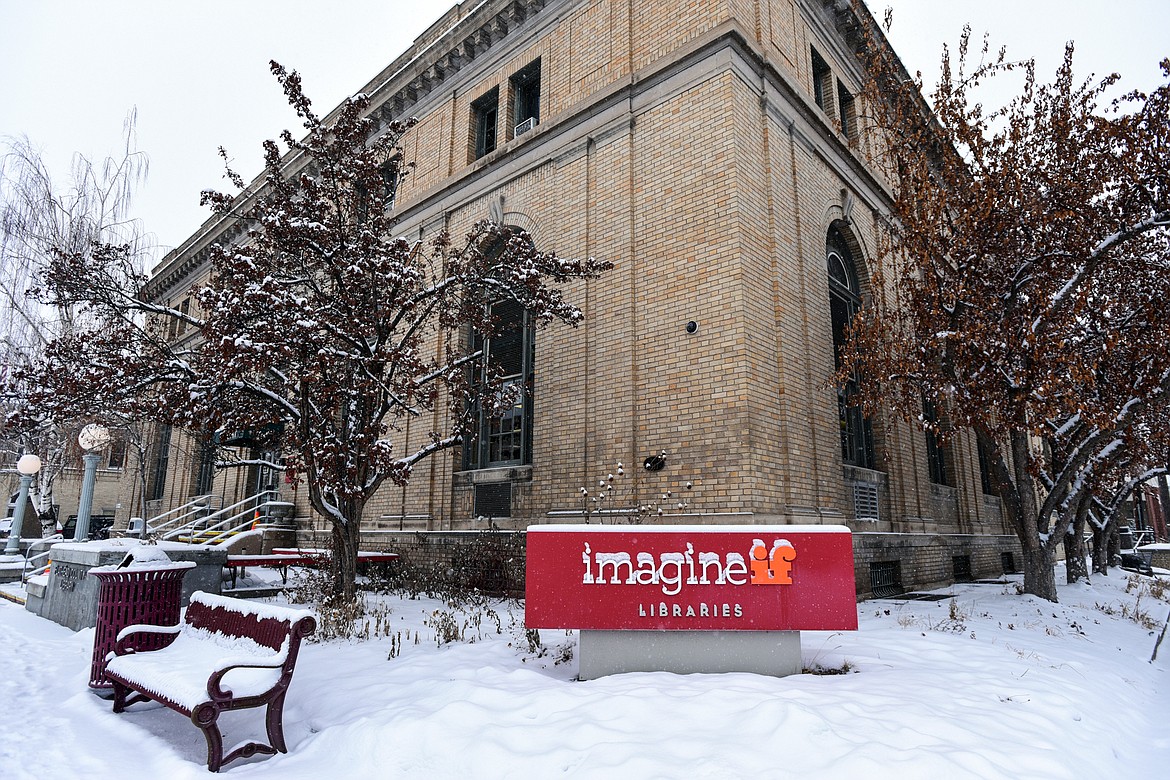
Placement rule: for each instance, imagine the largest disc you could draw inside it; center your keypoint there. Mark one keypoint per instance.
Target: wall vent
(493, 499)
(865, 502)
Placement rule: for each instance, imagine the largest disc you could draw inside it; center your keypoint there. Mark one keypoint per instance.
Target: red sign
(708, 578)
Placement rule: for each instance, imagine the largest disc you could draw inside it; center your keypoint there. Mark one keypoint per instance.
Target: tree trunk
(1039, 572)
(1021, 506)
(346, 542)
(1076, 569)
(1113, 535)
(1101, 550)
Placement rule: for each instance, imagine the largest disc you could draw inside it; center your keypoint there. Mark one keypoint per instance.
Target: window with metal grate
(885, 578)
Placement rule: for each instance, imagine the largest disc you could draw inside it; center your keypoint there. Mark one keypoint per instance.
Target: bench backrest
(266, 624)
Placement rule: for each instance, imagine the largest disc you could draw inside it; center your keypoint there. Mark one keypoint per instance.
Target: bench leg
(274, 721)
(204, 717)
(122, 699)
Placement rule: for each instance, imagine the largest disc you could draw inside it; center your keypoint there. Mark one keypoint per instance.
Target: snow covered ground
(986, 684)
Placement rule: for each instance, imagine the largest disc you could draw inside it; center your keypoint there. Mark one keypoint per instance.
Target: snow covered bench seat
(228, 654)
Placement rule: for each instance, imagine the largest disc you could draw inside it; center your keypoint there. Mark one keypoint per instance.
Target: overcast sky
(197, 72)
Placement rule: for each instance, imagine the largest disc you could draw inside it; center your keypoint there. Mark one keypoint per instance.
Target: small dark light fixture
(692, 327)
(655, 462)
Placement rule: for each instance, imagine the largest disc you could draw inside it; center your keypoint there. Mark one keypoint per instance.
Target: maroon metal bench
(229, 654)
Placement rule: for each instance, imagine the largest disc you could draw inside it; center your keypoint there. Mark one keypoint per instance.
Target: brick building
(715, 152)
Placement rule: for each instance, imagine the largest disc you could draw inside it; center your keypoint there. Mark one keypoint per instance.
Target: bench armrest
(124, 646)
(217, 693)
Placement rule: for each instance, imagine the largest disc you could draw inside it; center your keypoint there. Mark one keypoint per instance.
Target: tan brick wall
(711, 187)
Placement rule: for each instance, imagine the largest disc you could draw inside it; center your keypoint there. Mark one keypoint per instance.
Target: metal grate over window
(885, 578)
(865, 501)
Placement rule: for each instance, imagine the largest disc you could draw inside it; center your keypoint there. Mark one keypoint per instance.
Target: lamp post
(92, 437)
(28, 466)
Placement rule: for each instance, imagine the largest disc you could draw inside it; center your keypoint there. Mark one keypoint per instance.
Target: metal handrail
(204, 524)
(197, 505)
(24, 572)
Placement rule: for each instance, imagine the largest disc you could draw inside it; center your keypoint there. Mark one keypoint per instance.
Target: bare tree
(40, 218)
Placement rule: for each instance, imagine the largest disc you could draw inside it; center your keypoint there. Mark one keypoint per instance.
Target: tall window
(525, 87)
(822, 82)
(184, 309)
(985, 480)
(484, 113)
(204, 477)
(158, 471)
(844, 303)
(506, 440)
(936, 453)
(846, 112)
(117, 451)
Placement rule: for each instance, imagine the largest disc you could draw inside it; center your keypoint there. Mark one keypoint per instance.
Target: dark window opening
(117, 451)
(204, 467)
(158, 473)
(1008, 561)
(846, 112)
(484, 113)
(526, 98)
(936, 453)
(493, 499)
(822, 82)
(844, 304)
(388, 185)
(985, 480)
(184, 309)
(961, 565)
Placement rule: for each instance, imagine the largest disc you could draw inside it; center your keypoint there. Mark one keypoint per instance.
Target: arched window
(844, 303)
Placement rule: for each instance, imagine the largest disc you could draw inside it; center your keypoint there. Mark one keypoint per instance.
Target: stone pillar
(81, 533)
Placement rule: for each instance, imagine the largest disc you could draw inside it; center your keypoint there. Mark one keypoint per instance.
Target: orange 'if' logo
(773, 568)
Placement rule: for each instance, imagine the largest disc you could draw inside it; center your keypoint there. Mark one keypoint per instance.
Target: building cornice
(452, 43)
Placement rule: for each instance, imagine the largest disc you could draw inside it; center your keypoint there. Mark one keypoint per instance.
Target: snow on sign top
(690, 529)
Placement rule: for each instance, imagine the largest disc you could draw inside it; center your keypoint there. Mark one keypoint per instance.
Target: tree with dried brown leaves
(1023, 282)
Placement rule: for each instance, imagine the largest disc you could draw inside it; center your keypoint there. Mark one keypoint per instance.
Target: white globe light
(28, 464)
(93, 437)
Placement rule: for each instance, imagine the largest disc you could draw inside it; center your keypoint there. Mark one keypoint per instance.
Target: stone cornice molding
(449, 45)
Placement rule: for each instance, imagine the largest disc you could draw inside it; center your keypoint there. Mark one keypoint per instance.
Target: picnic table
(282, 557)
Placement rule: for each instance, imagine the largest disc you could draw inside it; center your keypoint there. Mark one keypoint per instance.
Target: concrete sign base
(775, 653)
